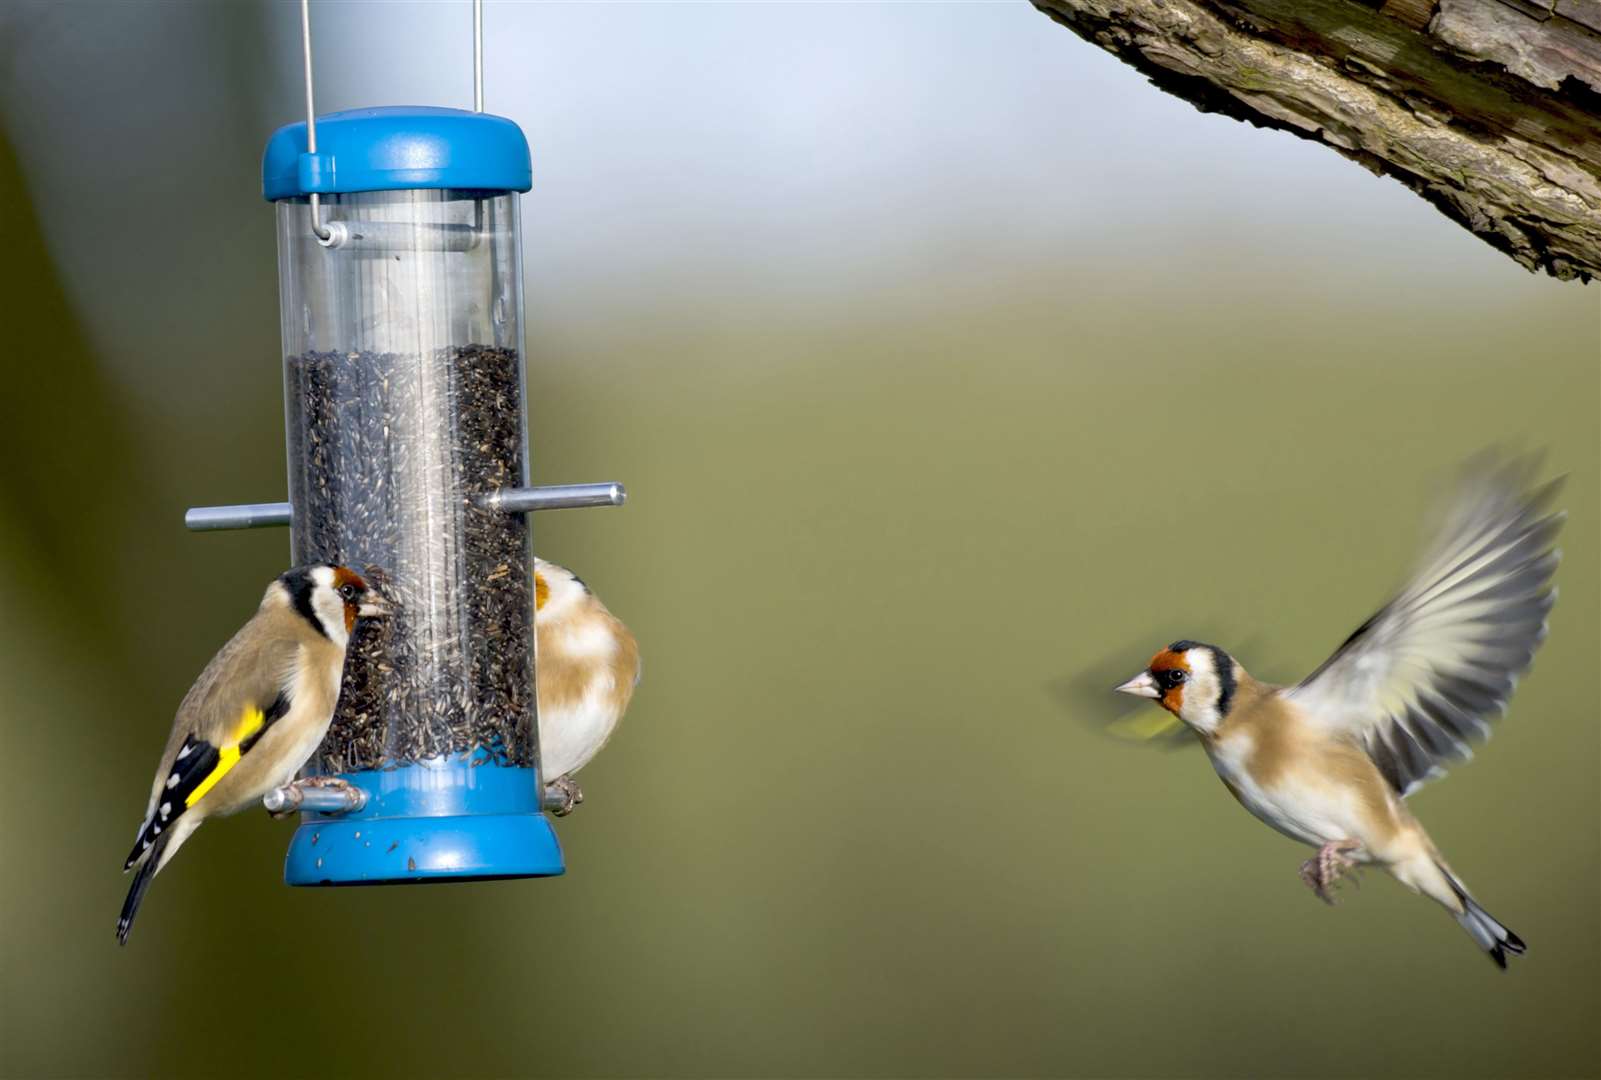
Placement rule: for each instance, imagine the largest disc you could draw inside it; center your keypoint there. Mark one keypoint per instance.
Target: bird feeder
(400, 279)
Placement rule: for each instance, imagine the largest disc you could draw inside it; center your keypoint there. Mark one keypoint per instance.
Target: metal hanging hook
(323, 234)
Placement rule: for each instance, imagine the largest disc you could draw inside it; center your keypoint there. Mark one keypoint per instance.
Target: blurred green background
(952, 371)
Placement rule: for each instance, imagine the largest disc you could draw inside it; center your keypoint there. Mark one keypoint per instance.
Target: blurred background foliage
(952, 371)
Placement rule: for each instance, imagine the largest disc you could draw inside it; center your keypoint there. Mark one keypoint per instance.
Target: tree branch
(1489, 109)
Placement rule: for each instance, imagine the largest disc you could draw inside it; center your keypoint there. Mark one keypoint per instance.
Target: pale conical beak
(1141, 685)
(373, 609)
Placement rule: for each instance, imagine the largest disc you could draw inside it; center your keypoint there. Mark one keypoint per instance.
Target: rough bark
(1489, 109)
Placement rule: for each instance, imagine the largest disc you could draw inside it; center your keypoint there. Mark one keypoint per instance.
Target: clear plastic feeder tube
(404, 397)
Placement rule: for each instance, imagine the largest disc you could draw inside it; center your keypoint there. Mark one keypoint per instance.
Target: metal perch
(511, 500)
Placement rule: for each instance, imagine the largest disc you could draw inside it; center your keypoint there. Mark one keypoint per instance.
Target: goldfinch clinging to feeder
(1330, 760)
(587, 665)
(255, 715)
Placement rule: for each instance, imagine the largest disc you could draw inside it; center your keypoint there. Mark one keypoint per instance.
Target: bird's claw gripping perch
(562, 795)
(1324, 869)
(323, 794)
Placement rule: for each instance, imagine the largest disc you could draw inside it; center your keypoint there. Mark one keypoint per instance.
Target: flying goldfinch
(586, 668)
(255, 715)
(1328, 762)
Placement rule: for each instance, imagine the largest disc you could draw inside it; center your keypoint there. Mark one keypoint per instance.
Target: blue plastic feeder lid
(394, 148)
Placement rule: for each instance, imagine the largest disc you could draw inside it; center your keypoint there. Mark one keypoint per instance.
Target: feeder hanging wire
(478, 55)
(325, 235)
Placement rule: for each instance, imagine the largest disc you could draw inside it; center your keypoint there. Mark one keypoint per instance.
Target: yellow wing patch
(250, 722)
(1145, 725)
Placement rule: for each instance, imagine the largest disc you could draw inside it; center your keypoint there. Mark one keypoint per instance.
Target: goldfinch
(255, 715)
(1330, 761)
(586, 668)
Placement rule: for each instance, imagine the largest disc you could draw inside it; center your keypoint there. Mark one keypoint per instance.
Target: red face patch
(342, 577)
(1167, 660)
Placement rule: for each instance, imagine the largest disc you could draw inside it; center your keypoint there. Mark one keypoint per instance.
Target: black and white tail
(141, 884)
(1483, 927)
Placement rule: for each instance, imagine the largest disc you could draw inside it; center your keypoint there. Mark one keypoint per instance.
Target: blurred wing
(1423, 677)
(1147, 724)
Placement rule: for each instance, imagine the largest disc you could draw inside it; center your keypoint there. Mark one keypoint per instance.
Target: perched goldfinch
(587, 665)
(1329, 761)
(255, 715)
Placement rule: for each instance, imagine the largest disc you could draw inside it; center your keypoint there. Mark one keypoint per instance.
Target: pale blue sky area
(706, 154)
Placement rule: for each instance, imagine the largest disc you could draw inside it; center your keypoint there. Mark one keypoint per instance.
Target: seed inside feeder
(391, 460)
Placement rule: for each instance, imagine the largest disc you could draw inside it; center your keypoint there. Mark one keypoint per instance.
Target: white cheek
(559, 602)
(1201, 716)
(1200, 692)
(331, 613)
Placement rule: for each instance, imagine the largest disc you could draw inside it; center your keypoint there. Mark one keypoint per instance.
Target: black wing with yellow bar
(197, 769)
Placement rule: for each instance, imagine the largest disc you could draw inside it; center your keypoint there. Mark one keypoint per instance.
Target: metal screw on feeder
(400, 267)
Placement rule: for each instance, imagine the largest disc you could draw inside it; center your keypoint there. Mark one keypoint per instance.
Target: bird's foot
(562, 794)
(295, 788)
(1324, 869)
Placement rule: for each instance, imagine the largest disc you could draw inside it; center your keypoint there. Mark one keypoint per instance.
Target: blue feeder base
(435, 821)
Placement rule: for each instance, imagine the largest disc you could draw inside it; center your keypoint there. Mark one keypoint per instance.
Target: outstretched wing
(1421, 679)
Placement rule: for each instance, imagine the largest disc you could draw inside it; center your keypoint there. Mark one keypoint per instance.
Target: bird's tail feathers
(1481, 926)
(141, 884)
